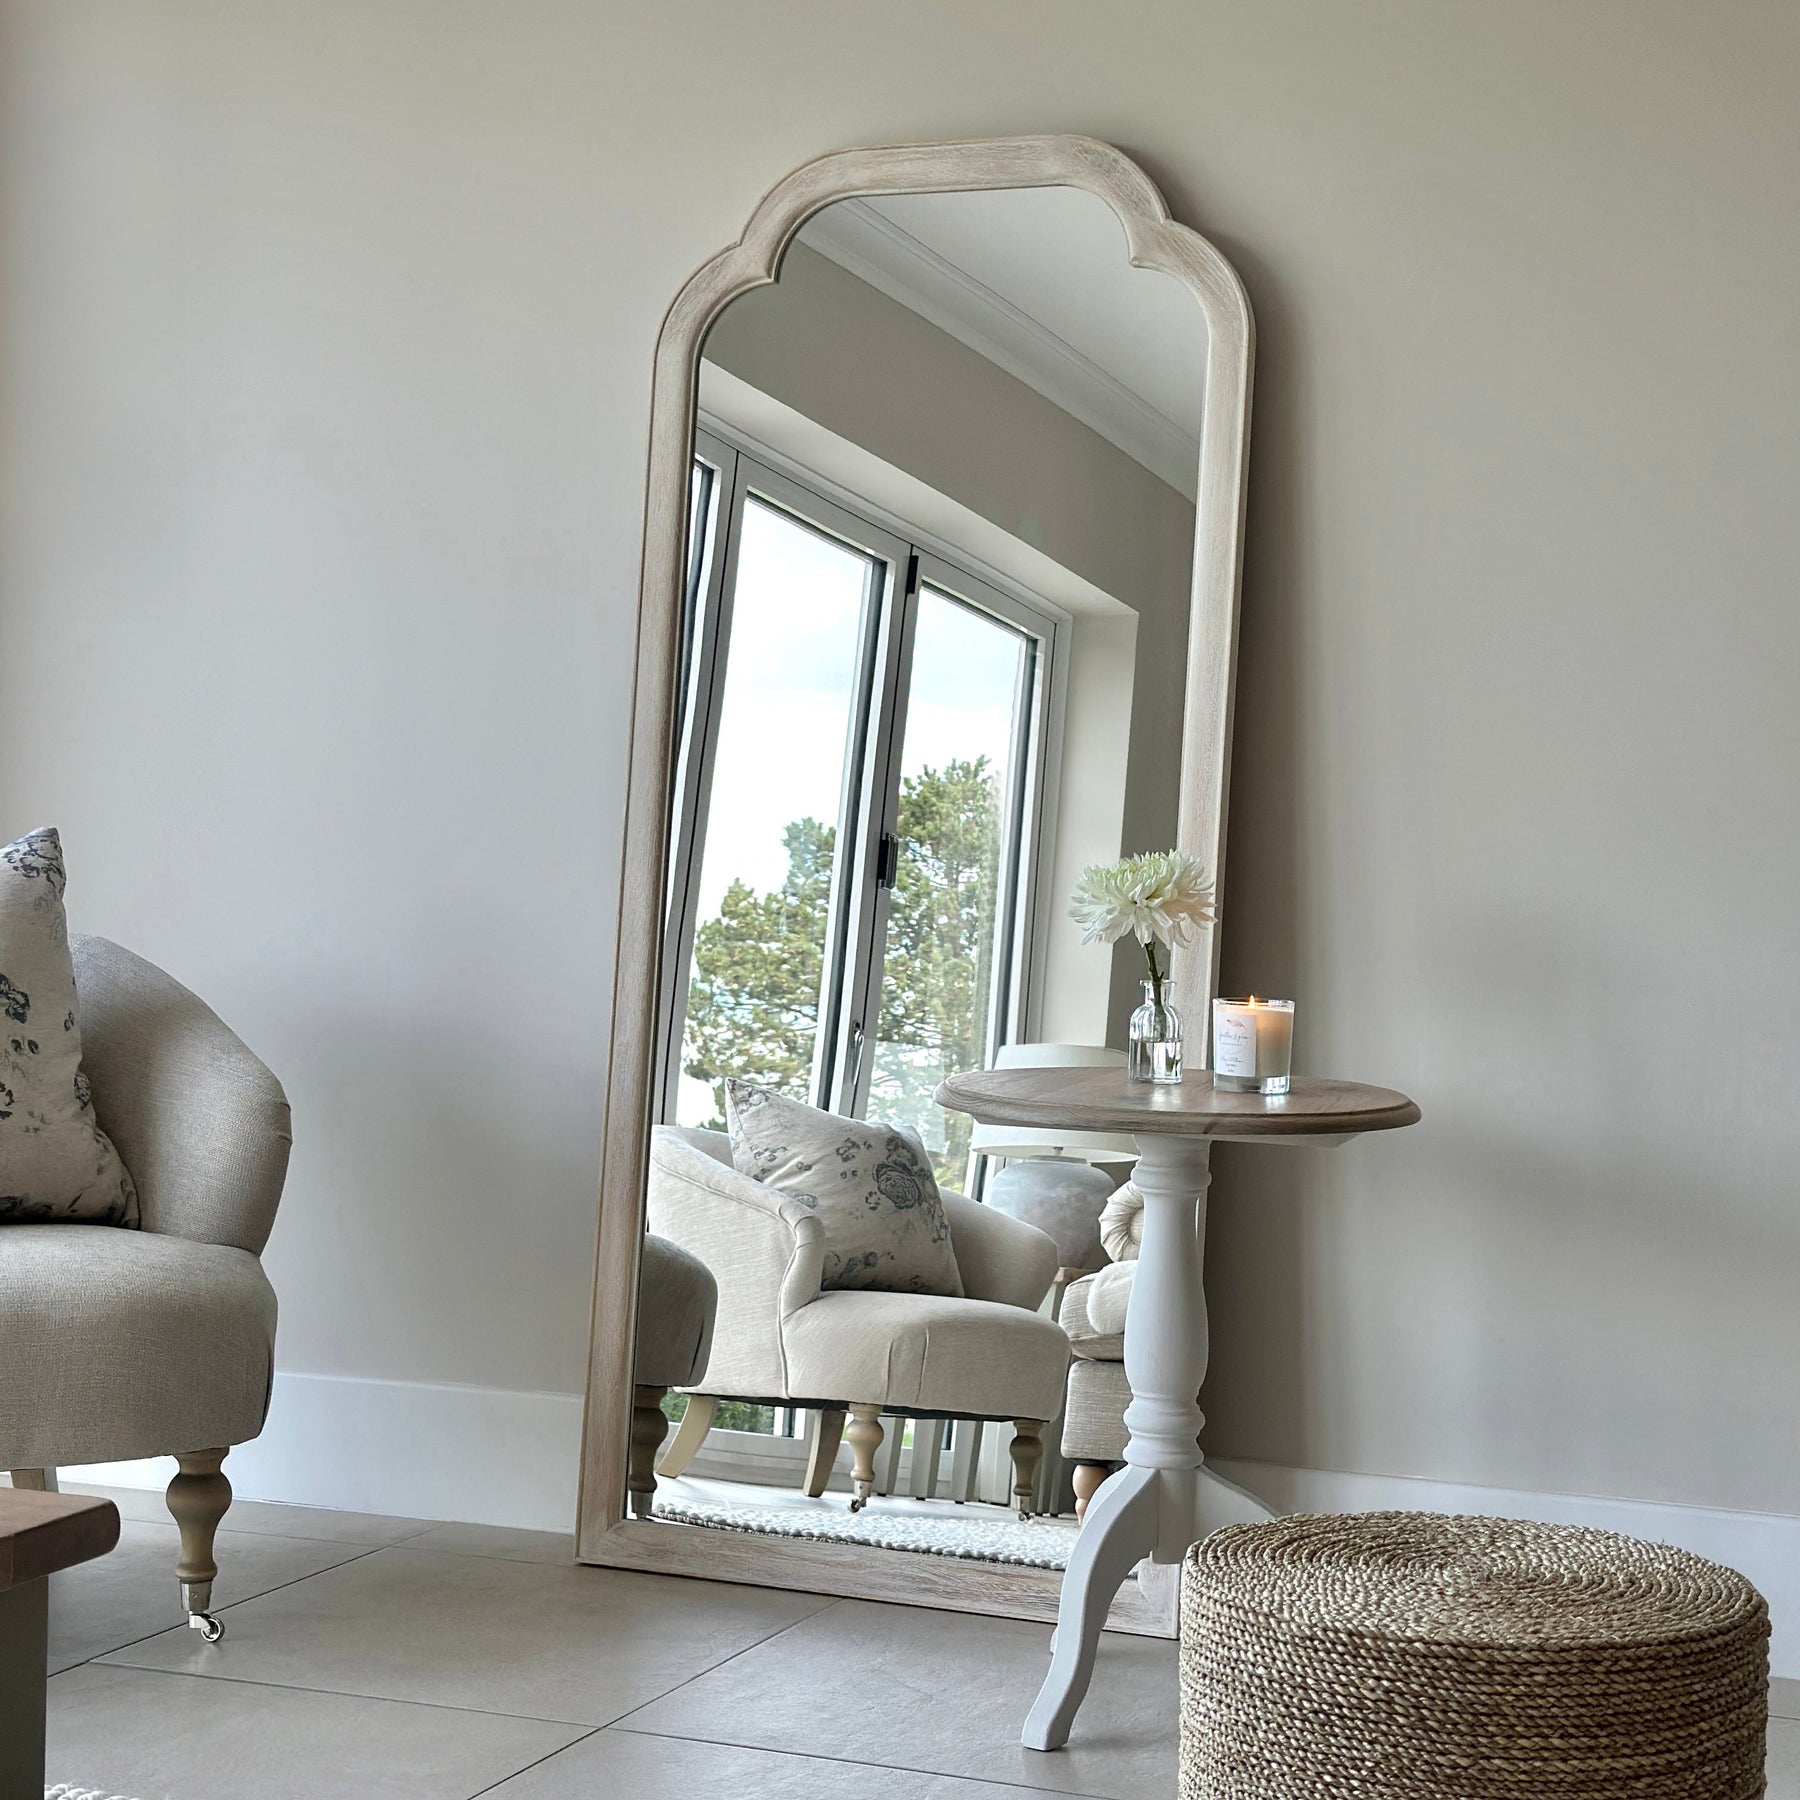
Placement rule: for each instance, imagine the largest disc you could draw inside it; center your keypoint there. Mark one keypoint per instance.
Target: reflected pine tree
(753, 999)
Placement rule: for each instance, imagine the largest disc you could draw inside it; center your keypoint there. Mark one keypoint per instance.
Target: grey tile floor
(395, 1659)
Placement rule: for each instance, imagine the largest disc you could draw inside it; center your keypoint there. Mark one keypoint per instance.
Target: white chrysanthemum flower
(1165, 896)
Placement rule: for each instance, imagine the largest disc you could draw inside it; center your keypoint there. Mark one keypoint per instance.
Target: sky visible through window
(788, 705)
(784, 730)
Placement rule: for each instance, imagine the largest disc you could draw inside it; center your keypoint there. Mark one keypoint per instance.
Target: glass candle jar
(1155, 1041)
(1253, 1045)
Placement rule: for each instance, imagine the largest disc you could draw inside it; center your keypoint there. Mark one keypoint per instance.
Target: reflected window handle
(887, 861)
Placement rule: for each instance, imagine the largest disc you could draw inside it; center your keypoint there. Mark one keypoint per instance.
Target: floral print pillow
(56, 1164)
(870, 1185)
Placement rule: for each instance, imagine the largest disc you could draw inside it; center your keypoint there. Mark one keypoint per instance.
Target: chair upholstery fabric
(778, 1336)
(677, 1301)
(1093, 1315)
(201, 1124)
(927, 1352)
(1077, 1320)
(119, 1344)
(1094, 1412)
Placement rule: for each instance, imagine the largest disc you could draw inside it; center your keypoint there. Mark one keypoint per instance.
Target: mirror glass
(940, 549)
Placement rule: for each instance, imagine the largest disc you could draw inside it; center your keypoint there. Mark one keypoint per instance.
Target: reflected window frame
(730, 466)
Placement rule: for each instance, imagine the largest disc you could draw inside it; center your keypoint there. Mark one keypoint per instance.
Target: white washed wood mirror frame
(606, 1535)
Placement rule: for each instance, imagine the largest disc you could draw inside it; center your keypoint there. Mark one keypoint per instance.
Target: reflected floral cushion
(870, 1185)
(55, 1161)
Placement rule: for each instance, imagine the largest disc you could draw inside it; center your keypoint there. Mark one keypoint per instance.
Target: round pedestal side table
(1164, 1499)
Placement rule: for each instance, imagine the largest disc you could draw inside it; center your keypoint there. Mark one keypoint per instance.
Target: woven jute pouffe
(1408, 1656)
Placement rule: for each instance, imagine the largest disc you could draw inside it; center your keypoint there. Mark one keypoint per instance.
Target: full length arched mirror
(938, 606)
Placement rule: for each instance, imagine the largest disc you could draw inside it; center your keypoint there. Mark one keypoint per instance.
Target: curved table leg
(1163, 1500)
(1116, 1534)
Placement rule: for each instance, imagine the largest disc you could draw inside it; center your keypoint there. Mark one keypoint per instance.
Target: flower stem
(1156, 974)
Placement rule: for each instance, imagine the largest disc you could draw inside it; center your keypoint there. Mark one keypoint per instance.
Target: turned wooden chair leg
(863, 1434)
(1087, 1477)
(38, 1481)
(197, 1499)
(821, 1451)
(649, 1426)
(690, 1434)
(1027, 1453)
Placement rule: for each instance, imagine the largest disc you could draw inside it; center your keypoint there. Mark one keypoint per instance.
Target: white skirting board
(492, 1457)
(417, 1450)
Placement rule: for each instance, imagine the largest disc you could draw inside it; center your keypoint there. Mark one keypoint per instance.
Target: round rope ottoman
(1407, 1656)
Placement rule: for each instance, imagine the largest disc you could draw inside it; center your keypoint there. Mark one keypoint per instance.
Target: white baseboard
(414, 1450)
(493, 1457)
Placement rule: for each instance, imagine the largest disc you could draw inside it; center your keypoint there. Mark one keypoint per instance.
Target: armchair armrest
(767, 1254)
(1000, 1258)
(201, 1124)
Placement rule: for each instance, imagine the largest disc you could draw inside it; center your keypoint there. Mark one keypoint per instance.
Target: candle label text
(1234, 1044)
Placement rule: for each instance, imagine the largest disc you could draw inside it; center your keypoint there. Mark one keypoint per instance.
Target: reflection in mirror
(932, 664)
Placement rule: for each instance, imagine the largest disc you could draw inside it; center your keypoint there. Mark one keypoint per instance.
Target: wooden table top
(1103, 1100)
(41, 1533)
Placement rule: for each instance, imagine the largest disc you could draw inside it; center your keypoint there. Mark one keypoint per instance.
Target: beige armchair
(121, 1344)
(852, 1355)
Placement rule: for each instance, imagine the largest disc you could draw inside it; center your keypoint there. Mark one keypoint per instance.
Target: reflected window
(947, 967)
(853, 852)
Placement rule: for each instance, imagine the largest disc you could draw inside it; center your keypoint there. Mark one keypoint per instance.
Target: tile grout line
(181, 1624)
(725, 1662)
(538, 1762)
(583, 1726)
(856, 1762)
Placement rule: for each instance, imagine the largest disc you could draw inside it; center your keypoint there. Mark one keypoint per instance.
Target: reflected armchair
(850, 1355)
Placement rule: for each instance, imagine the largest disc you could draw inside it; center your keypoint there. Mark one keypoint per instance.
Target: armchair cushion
(968, 1358)
(55, 1161)
(869, 1186)
(121, 1344)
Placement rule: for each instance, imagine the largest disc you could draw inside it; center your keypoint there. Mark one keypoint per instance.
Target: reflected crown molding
(888, 257)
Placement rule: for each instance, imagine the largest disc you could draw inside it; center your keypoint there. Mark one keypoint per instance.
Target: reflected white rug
(998, 1537)
(66, 1791)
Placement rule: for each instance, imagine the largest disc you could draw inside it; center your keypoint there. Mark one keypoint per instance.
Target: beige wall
(326, 348)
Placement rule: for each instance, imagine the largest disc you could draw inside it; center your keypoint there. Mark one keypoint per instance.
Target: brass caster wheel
(208, 1627)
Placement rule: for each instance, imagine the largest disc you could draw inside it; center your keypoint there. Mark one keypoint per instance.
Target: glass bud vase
(1155, 1053)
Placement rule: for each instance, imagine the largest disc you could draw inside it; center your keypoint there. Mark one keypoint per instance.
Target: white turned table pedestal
(1165, 1498)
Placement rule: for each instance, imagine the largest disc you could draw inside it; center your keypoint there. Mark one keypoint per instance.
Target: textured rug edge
(878, 1531)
